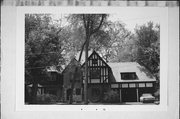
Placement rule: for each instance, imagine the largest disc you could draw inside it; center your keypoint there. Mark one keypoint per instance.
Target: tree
(148, 42)
(91, 24)
(42, 49)
(149, 46)
(119, 44)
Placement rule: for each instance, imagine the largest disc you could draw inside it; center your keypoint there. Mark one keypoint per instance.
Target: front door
(95, 95)
(69, 91)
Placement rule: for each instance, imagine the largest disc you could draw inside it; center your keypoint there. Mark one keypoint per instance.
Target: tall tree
(148, 42)
(91, 24)
(42, 49)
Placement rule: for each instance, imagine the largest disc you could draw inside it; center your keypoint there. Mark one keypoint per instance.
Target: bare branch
(100, 24)
(59, 31)
(91, 26)
(85, 25)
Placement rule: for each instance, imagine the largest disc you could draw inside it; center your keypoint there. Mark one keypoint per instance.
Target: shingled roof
(143, 75)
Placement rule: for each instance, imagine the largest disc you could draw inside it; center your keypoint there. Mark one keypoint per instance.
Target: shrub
(157, 94)
(111, 97)
(46, 99)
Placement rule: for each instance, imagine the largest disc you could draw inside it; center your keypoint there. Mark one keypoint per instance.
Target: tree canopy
(42, 44)
(148, 42)
(43, 49)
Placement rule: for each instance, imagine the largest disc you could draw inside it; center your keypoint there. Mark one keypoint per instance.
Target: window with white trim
(128, 76)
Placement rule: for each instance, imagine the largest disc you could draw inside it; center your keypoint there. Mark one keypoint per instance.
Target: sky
(132, 17)
(137, 20)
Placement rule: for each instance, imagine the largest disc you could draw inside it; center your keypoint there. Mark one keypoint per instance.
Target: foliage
(46, 99)
(88, 25)
(157, 94)
(113, 41)
(111, 97)
(43, 48)
(119, 43)
(148, 42)
(42, 44)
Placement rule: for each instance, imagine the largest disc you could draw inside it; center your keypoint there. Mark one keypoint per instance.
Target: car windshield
(148, 94)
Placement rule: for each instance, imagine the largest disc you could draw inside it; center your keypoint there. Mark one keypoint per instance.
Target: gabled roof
(95, 53)
(73, 61)
(142, 73)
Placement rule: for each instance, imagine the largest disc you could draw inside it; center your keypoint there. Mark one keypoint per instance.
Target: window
(94, 61)
(114, 86)
(128, 76)
(52, 76)
(149, 85)
(78, 91)
(95, 73)
(52, 91)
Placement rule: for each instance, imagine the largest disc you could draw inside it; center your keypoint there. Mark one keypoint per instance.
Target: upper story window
(53, 76)
(94, 61)
(128, 76)
(95, 73)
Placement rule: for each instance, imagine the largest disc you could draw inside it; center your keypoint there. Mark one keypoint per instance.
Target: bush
(111, 97)
(157, 94)
(46, 99)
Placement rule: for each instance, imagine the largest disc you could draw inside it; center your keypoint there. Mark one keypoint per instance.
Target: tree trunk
(86, 71)
(34, 91)
(34, 87)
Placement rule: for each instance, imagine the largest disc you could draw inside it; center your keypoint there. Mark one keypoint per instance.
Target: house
(129, 79)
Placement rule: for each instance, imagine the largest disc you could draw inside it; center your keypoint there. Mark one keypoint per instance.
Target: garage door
(129, 95)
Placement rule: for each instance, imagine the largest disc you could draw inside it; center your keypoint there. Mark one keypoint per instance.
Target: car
(147, 98)
(156, 102)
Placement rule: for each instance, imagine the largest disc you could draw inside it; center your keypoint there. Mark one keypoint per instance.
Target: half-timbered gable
(98, 69)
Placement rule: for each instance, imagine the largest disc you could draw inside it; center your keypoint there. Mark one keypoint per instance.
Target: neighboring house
(72, 82)
(51, 84)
